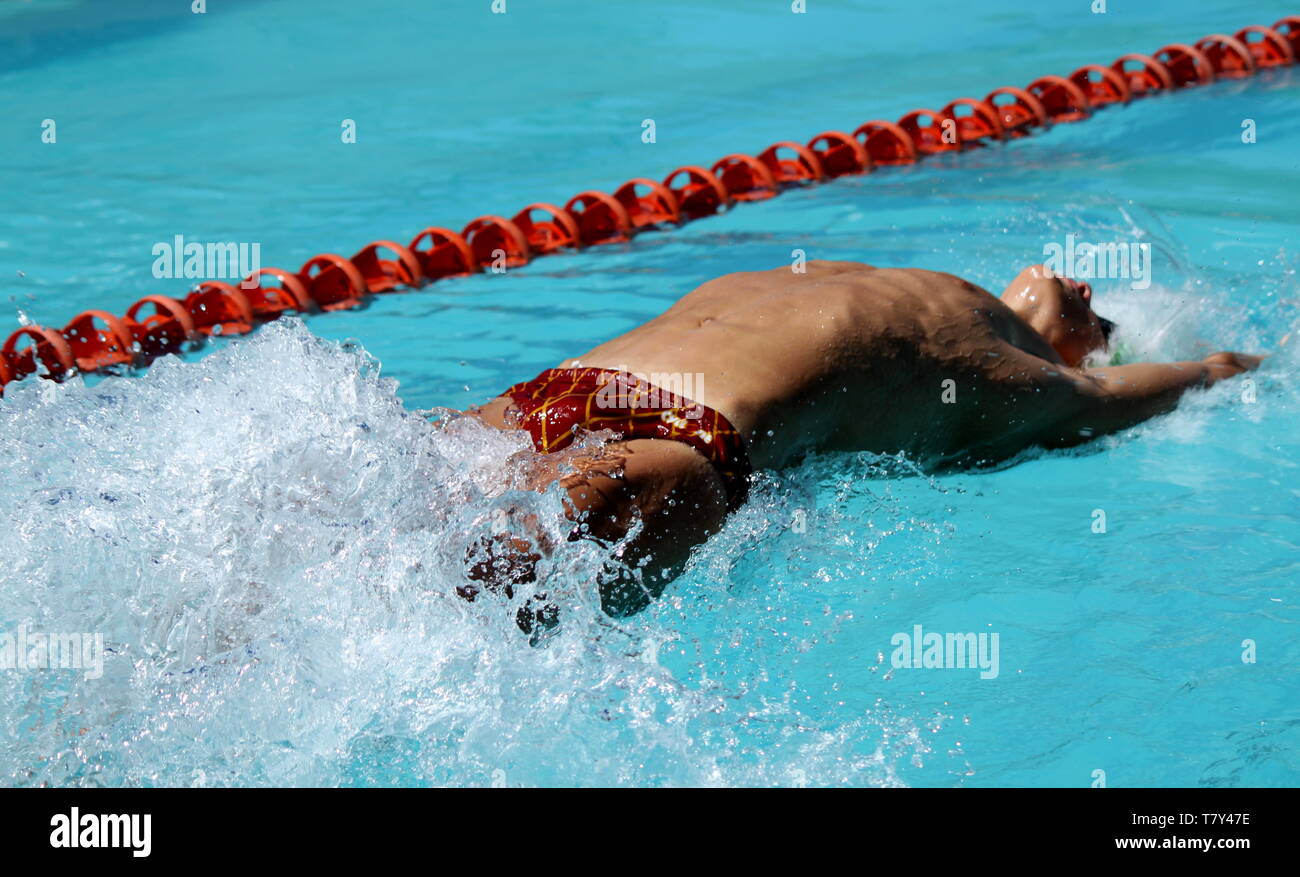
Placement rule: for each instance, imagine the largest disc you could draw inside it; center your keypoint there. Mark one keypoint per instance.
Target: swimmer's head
(1059, 309)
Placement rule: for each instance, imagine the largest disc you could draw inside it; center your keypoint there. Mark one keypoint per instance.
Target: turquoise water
(267, 535)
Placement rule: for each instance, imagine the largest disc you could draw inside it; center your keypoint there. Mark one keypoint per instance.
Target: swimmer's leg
(667, 486)
(670, 488)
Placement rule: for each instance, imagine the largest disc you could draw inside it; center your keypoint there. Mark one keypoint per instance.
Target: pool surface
(267, 532)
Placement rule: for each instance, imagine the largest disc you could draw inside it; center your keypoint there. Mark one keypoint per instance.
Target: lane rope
(155, 325)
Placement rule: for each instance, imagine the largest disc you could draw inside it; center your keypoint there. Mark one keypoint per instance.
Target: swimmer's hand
(1226, 364)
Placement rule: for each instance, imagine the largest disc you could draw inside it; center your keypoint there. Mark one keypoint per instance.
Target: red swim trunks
(560, 401)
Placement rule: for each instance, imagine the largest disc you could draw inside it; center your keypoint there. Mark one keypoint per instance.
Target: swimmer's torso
(841, 357)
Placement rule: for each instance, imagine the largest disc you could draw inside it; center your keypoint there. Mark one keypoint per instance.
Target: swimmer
(842, 357)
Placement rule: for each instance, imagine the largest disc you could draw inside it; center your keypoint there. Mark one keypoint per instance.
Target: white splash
(270, 545)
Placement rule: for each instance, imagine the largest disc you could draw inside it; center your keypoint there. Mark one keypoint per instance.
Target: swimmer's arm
(1110, 399)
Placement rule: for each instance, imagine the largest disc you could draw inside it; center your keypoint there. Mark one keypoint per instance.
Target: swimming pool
(267, 535)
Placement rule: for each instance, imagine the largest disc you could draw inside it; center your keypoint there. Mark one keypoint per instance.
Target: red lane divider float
(698, 192)
(599, 219)
(1018, 110)
(333, 282)
(931, 132)
(1228, 56)
(1149, 75)
(1289, 29)
(446, 254)
(1186, 64)
(1101, 86)
(840, 154)
(657, 206)
(1272, 48)
(97, 340)
(497, 243)
(170, 326)
(269, 302)
(47, 348)
(886, 143)
(976, 120)
(804, 167)
(555, 228)
(387, 274)
(1062, 100)
(745, 178)
(93, 348)
(219, 309)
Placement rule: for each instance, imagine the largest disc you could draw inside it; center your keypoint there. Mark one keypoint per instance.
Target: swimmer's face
(1059, 309)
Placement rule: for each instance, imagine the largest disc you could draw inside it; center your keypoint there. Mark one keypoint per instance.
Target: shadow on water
(32, 35)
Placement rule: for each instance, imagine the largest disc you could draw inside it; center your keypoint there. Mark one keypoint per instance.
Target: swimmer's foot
(501, 564)
(498, 564)
(537, 618)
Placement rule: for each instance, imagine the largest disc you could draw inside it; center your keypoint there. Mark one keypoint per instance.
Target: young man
(841, 357)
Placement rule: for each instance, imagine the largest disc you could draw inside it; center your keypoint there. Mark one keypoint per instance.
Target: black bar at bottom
(329, 826)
